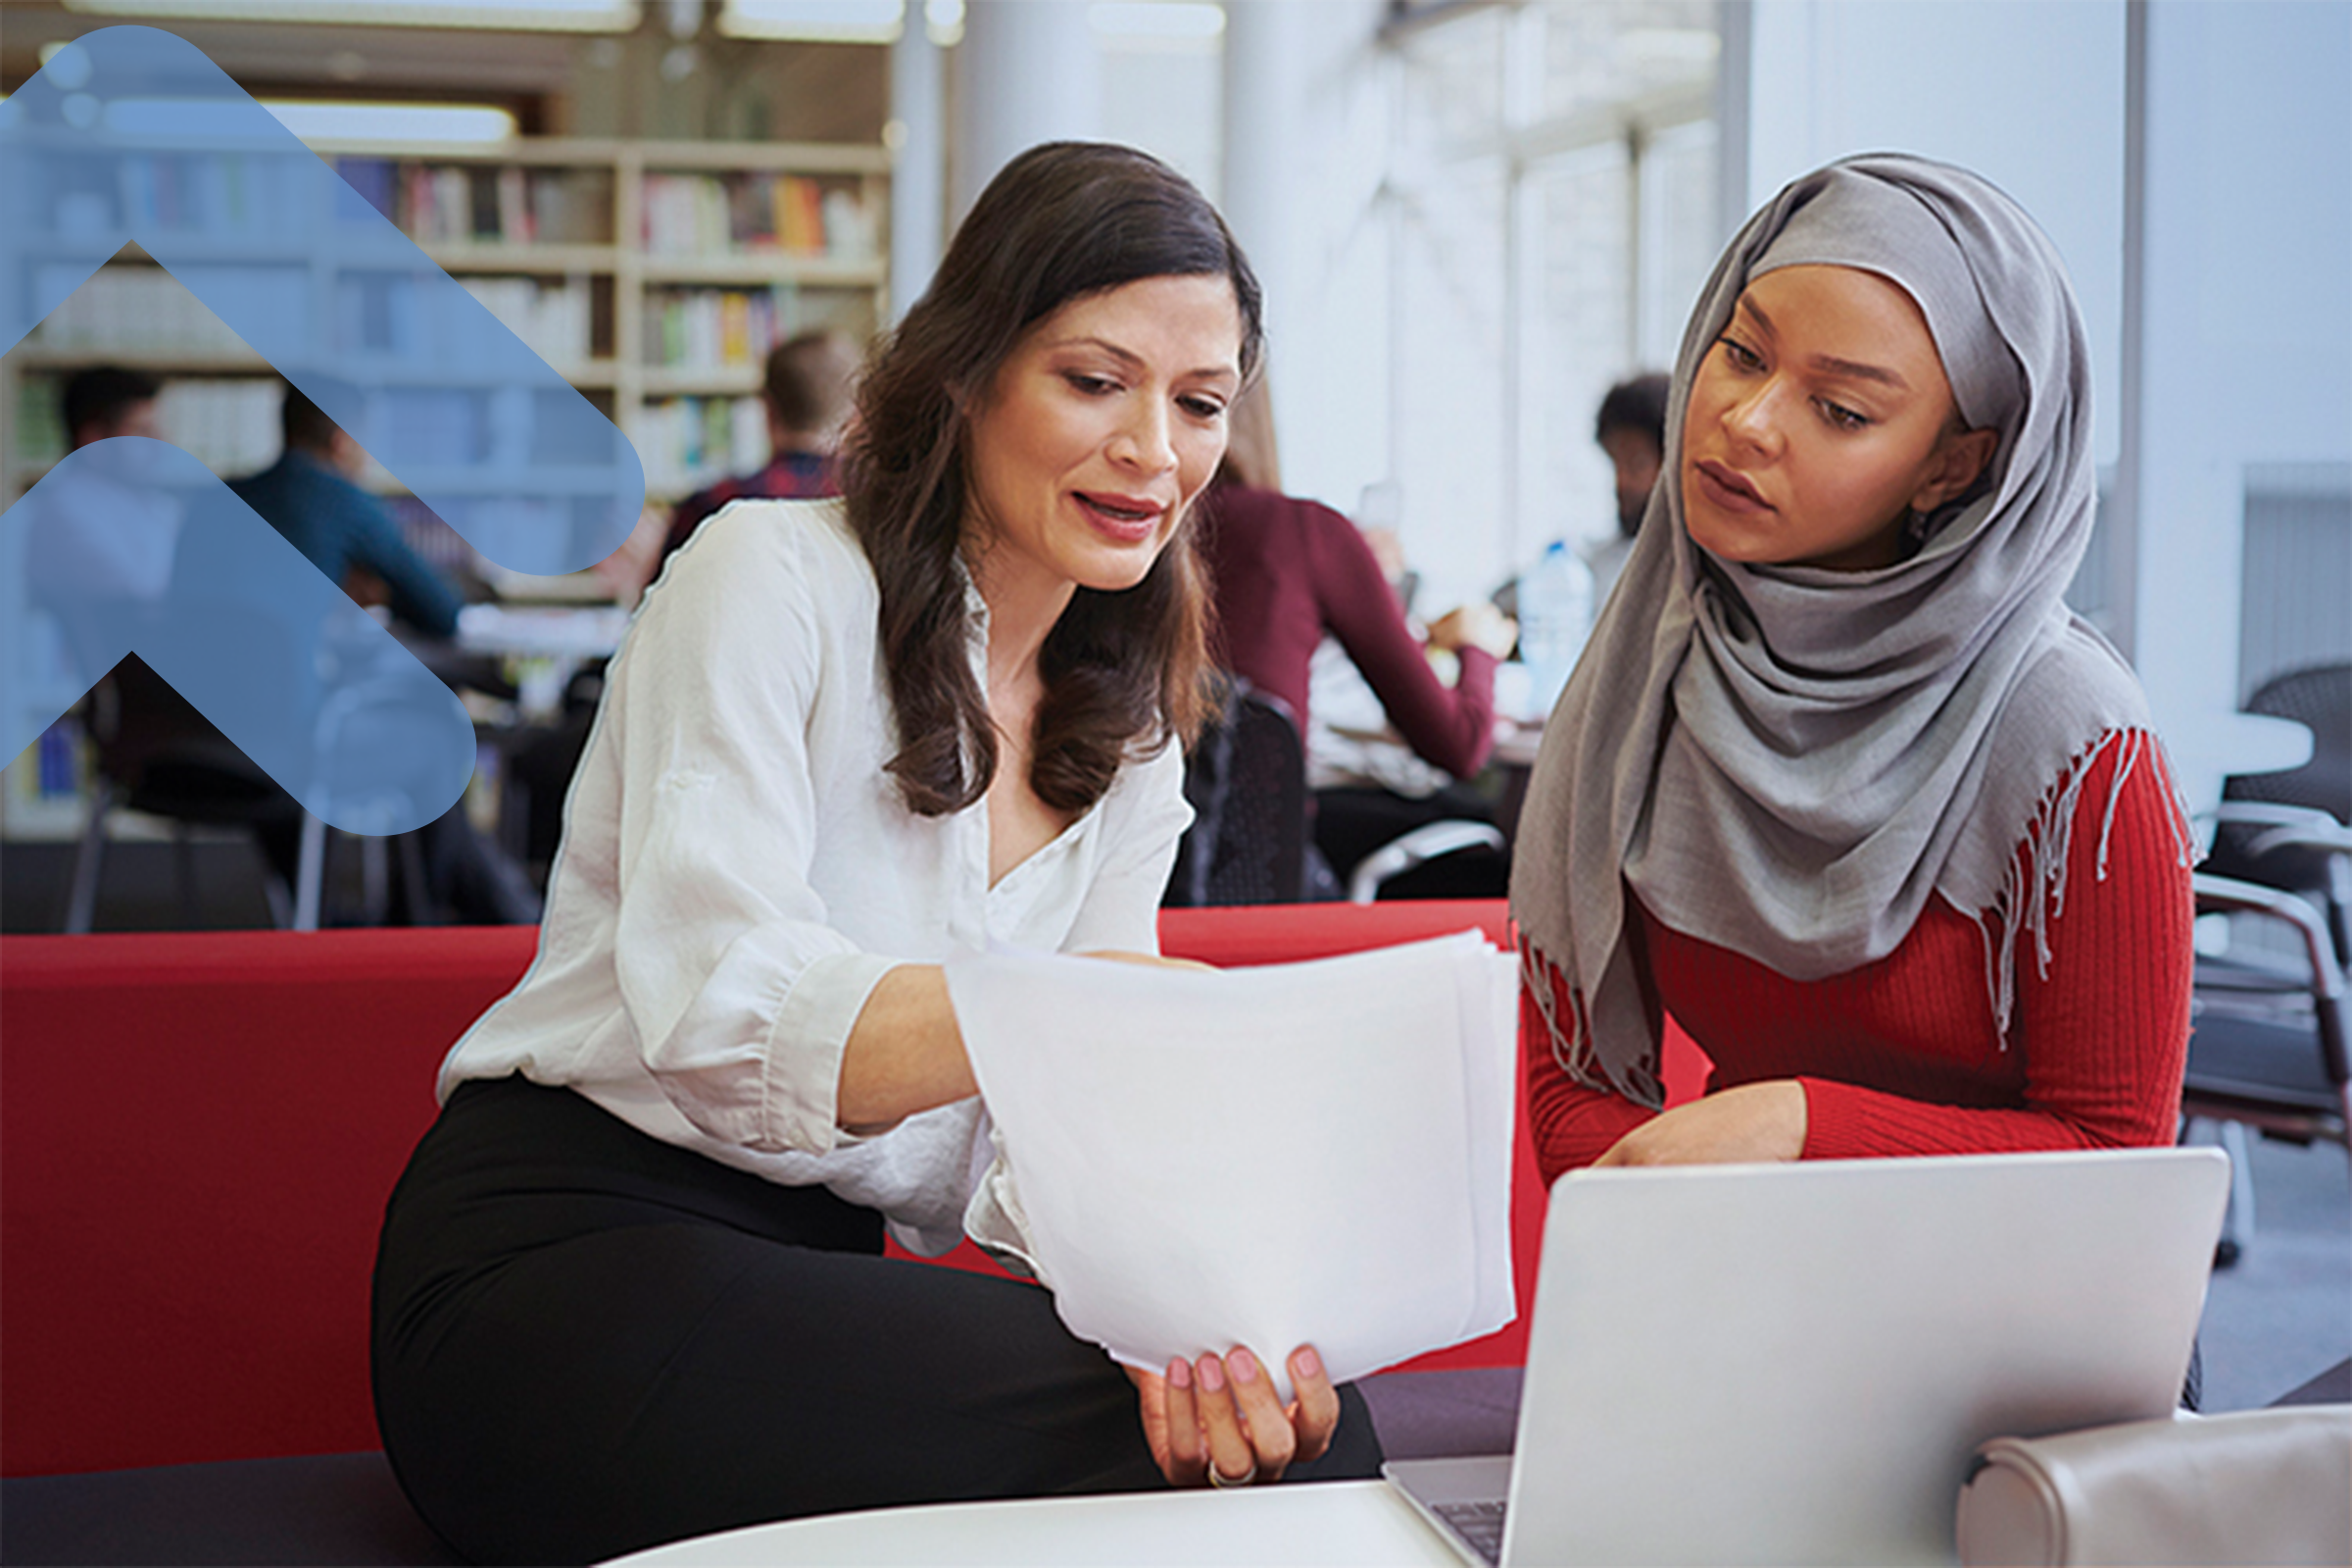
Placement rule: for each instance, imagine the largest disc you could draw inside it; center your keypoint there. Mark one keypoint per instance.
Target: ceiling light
(372, 121)
(550, 15)
(1155, 19)
(813, 20)
(221, 121)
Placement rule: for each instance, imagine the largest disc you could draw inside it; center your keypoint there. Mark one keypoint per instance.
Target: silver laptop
(1794, 1363)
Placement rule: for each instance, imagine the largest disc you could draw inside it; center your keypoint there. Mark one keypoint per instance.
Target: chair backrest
(2319, 697)
(1245, 778)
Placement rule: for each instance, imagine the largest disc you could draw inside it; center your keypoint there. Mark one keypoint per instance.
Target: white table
(2207, 747)
(1340, 1522)
(546, 644)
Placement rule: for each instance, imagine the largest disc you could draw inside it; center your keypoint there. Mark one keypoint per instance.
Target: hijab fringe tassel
(2032, 890)
(1572, 1046)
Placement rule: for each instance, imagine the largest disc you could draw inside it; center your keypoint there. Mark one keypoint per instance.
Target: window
(1553, 215)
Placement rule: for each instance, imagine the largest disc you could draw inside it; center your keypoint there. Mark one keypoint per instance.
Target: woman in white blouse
(630, 1288)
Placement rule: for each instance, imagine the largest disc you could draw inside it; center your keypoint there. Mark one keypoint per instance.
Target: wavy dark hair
(1124, 671)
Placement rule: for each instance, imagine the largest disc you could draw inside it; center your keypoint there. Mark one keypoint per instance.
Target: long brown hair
(1123, 670)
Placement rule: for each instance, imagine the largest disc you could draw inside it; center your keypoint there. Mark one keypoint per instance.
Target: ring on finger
(1225, 1482)
(1221, 1482)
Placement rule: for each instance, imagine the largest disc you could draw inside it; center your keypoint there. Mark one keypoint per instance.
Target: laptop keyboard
(1479, 1524)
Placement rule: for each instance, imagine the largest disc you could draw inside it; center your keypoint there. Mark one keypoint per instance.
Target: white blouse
(738, 872)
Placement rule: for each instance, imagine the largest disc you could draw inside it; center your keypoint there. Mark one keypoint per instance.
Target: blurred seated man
(117, 548)
(807, 390)
(98, 561)
(311, 495)
(1630, 428)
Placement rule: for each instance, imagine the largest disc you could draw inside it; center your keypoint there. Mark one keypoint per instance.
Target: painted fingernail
(1180, 1373)
(1244, 1365)
(1305, 1363)
(1213, 1376)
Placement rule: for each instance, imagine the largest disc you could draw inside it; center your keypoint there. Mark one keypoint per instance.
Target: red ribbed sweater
(1901, 1056)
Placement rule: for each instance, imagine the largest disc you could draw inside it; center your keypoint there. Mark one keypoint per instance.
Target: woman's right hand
(1475, 625)
(1219, 1414)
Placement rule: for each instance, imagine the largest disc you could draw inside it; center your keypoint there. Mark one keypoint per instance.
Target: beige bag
(2254, 1486)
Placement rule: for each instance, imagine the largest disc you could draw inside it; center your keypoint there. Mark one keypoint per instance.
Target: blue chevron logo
(476, 424)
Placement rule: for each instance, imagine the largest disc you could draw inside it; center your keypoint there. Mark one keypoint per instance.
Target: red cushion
(197, 1135)
(198, 1131)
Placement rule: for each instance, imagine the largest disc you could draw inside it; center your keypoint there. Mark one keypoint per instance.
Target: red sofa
(198, 1133)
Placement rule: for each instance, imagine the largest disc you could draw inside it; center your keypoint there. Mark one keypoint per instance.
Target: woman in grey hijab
(1841, 784)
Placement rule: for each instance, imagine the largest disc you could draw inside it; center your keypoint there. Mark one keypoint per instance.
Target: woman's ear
(1954, 466)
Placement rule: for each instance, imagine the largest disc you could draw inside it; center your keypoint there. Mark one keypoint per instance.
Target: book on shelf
(485, 204)
(130, 308)
(42, 789)
(39, 422)
(230, 427)
(554, 318)
(687, 443)
(228, 423)
(225, 196)
(756, 213)
(718, 329)
(382, 312)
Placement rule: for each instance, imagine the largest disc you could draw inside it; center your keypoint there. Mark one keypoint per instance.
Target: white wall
(2030, 94)
(2246, 355)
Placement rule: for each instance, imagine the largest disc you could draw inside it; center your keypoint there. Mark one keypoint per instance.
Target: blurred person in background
(1630, 428)
(1287, 573)
(808, 389)
(312, 497)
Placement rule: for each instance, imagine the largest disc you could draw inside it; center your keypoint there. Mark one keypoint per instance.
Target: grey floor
(2282, 1313)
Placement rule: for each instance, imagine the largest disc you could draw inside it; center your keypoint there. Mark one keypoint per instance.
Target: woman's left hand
(1754, 1122)
(1219, 1414)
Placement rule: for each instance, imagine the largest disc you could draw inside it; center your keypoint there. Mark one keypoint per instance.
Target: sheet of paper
(1295, 1154)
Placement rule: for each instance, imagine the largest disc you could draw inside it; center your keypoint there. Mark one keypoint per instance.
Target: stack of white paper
(1298, 1154)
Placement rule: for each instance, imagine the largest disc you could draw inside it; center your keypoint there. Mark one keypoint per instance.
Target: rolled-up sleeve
(741, 994)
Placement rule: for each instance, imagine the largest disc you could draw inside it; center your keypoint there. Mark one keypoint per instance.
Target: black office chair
(156, 753)
(1245, 778)
(2269, 1048)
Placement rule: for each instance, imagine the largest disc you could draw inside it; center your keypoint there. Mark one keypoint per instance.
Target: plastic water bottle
(1555, 614)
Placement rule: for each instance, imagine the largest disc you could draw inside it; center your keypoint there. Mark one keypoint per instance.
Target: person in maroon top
(1285, 572)
(1839, 783)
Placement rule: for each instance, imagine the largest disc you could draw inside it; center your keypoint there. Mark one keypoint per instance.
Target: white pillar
(919, 165)
(1265, 59)
(1305, 145)
(1025, 74)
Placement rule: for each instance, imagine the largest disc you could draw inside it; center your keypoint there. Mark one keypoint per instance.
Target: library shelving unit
(653, 275)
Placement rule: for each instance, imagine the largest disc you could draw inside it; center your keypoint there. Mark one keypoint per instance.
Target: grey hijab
(1788, 762)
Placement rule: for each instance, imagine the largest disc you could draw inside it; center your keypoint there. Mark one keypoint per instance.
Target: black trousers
(588, 1342)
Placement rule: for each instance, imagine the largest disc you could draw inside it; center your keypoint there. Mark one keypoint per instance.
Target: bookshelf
(655, 275)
